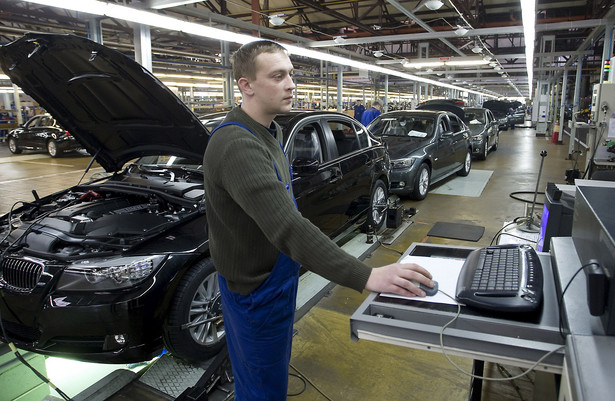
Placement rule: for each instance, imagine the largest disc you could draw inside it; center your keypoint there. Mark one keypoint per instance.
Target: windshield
(169, 161)
(474, 118)
(403, 126)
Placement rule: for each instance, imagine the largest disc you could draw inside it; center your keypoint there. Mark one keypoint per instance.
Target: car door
(443, 156)
(493, 127)
(28, 137)
(356, 159)
(316, 174)
(459, 141)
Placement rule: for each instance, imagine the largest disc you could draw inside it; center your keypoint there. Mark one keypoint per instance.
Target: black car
(501, 111)
(116, 268)
(484, 130)
(425, 147)
(42, 132)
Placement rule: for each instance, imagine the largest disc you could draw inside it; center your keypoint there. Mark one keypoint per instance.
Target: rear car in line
(42, 132)
(425, 147)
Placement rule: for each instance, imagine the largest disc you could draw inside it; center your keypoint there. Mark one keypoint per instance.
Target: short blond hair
(244, 59)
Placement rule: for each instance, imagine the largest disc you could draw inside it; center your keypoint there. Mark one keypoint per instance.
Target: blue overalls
(259, 328)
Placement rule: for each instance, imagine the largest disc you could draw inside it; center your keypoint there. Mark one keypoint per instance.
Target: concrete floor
(334, 367)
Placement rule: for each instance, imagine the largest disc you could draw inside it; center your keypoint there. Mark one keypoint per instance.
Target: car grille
(20, 274)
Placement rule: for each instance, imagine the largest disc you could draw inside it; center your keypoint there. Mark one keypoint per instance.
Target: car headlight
(400, 163)
(477, 137)
(108, 274)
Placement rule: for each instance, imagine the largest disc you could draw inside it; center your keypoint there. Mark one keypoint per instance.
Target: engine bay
(90, 220)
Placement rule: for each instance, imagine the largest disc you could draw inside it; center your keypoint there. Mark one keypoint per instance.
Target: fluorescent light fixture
(433, 4)
(124, 13)
(159, 5)
(277, 19)
(460, 31)
(528, 13)
(466, 62)
(423, 64)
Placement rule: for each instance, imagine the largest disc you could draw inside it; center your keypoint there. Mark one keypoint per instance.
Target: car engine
(93, 221)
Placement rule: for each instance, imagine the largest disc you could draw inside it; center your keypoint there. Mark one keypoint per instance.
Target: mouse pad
(466, 232)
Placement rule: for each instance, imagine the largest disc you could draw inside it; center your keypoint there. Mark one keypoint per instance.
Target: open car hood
(112, 105)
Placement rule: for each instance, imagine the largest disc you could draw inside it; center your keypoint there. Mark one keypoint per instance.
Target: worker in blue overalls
(257, 237)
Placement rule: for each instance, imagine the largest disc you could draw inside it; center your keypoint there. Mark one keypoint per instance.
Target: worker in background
(257, 237)
(371, 113)
(358, 110)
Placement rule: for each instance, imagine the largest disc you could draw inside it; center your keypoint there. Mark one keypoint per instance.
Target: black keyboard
(502, 278)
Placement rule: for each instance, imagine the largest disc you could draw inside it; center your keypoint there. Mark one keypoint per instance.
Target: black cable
(512, 195)
(21, 359)
(499, 232)
(304, 385)
(386, 247)
(561, 300)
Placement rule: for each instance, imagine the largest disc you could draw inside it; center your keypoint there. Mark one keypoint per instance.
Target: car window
(345, 136)
(456, 126)
(362, 136)
(443, 125)
(32, 122)
(306, 144)
(475, 117)
(46, 121)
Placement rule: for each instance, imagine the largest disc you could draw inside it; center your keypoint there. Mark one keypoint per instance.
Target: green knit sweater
(252, 217)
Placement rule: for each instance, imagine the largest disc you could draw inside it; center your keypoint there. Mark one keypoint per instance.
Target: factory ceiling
(391, 33)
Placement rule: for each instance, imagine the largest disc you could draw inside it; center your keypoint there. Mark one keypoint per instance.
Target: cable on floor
(309, 381)
(300, 391)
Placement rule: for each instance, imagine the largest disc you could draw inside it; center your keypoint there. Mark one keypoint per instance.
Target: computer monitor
(557, 215)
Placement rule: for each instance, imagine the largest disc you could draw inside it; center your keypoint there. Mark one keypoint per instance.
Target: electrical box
(603, 103)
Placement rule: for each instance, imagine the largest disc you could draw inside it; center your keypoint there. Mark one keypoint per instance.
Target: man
(371, 113)
(358, 110)
(257, 237)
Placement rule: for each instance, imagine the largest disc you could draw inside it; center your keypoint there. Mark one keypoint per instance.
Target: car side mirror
(304, 167)
(446, 134)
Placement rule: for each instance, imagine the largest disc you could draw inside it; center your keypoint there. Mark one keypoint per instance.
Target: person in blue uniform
(371, 113)
(258, 238)
(359, 109)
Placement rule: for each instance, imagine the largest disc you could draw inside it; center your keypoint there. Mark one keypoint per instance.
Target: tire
(196, 299)
(378, 203)
(467, 165)
(485, 152)
(53, 148)
(421, 184)
(13, 146)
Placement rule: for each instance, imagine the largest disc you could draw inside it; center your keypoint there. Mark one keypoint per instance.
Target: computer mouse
(429, 291)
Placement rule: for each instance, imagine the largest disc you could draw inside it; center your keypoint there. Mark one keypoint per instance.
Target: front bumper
(95, 327)
(402, 180)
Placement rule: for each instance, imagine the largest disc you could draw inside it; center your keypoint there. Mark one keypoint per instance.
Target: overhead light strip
(120, 12)
(528, 13)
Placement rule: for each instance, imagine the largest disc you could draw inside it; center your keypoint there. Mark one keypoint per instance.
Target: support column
(385, 106)
(17, 104)
(340, 83)
(575, 106)
(608, 46)
(94, 30)
(562, 107)
(228, 95)
(143, 45)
